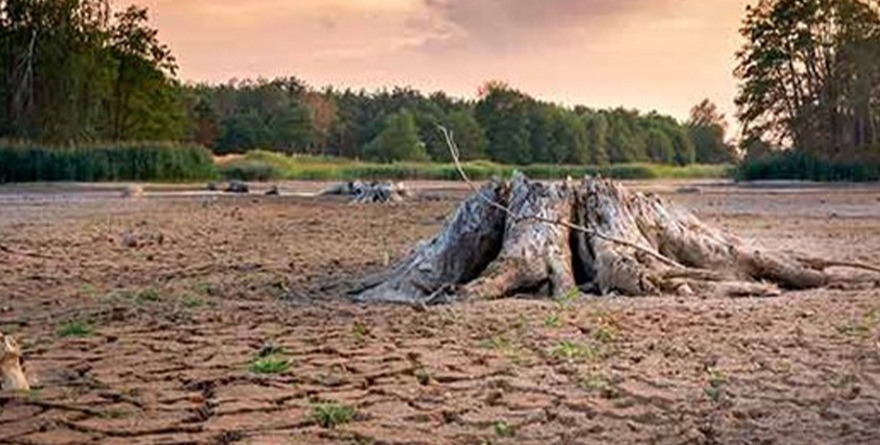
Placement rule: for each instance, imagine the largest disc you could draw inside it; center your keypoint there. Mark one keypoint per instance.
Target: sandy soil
(143, 319)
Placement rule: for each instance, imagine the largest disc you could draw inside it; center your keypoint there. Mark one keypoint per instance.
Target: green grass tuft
(271, 364)
(75, 329)
(332, 414)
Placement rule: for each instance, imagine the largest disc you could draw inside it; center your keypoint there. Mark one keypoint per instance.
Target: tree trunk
(527, 237)
(535, 255)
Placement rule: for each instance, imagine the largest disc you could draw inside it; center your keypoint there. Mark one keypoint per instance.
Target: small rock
(133, 191)
(129, 240)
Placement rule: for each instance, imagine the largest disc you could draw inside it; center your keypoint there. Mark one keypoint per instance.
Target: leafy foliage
(74, 71)
(398, 141)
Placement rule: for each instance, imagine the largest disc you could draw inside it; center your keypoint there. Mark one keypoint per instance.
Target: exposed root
(10, 365)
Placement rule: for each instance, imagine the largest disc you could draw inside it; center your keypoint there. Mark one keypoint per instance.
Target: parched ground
(218, 320)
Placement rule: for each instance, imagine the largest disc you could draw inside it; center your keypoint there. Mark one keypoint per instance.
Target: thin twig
(456, 158)
(818, 263)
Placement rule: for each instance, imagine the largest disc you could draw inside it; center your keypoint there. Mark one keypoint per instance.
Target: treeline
(503, 125)
(810, 83)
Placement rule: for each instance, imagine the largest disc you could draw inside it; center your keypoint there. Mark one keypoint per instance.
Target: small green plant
(717, 380)
(75, 329)
(193, 302)
(332, 414)
(605, 334)
(862, 327)
(512, 349)
(569, 350)
(270, 364)
(713, 393)
(497, 341)
(553, 321)
(598, 383)
(360, 331)
(503, 429)
(566, 300)
(608, 329)
(203, 288)
(423, 376)
(148, 295)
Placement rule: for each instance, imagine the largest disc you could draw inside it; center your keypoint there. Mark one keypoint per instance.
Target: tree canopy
(810, 76)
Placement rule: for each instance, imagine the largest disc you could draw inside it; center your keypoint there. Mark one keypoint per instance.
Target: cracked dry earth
(150, 321)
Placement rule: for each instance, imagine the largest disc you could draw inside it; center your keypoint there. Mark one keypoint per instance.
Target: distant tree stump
(527, 237)
(369, 193)
(237, 187)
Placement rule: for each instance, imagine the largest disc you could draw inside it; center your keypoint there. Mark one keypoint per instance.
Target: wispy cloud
(510, 24)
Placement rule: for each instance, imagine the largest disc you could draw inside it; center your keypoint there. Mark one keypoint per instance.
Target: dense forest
(76, 72)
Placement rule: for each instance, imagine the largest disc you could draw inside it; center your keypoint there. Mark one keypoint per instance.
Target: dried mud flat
(144, 321)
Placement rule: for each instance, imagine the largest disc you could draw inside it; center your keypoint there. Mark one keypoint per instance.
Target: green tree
(706, 129)
(144, 104)
(398, 141)
(468, 135)
(810, 75)
(597, 135)
(659, 146)
(242, 132)
(504, 115)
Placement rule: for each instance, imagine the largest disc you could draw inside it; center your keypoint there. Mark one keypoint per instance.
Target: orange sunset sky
(646, 54)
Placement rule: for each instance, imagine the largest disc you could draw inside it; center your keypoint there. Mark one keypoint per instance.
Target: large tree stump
(528, 237)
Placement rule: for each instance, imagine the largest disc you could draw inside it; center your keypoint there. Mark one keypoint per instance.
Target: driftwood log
(528, 237)
(368, 193)
(10, 365)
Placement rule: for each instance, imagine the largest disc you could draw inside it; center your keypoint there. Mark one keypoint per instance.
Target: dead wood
(10, 365)
(469, 241)
(369, 193)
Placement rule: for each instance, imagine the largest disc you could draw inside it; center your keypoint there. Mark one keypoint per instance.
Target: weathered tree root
(553, 239)
(13, 378)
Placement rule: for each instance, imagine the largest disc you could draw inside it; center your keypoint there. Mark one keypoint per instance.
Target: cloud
(507, 24)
